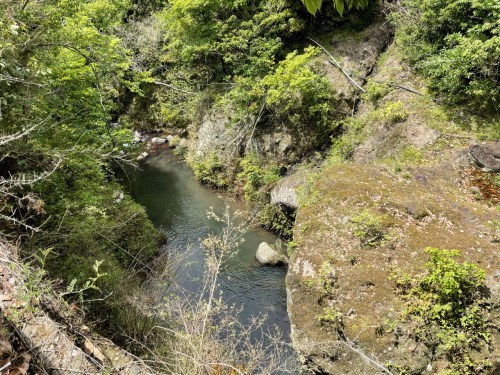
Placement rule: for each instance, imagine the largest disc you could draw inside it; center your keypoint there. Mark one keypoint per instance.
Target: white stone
(137, 137)
(142, 156)
(158, 140)
(267, 255)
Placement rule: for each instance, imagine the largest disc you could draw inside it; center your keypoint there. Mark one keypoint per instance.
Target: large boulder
(268, 256)
(215, 135)
(334, 268)
(487, 155)
(286, 191)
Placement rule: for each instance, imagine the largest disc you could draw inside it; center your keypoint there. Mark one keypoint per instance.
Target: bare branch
(336, 64)
(9, 78)
(4, 139)
(174, 88)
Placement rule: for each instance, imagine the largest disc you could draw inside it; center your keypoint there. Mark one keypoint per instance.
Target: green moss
(308, 194)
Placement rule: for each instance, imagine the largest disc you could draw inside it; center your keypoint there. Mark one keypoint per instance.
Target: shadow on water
(176, 202)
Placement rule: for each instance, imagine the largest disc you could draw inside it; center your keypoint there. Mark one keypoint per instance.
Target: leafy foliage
(62, 67)
(256, 178)
(294, 98)
(446, 309)
(369, 228)
(238, 38)
(455, 44)
(340, 5)
(210, 170)
(276, 220)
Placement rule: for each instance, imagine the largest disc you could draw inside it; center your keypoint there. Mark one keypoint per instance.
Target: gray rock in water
(487, 155)
(158, 140)
(268, 256)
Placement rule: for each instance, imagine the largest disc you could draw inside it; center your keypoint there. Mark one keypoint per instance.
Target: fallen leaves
(485, 185)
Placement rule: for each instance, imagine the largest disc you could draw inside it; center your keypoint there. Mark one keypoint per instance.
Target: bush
(209, 170)
(256, 178)
(369, 228)
(219, 38)
(446, 307)
(454, 43)
(274, 219)
(300, 98)
(376, 91)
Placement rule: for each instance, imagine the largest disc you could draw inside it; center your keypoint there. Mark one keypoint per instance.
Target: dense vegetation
(447, 309)
(77, 77)
(455, 44)
(61, 70)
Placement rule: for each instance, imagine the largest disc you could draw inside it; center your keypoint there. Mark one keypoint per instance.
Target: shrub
(369, 228)
(392, 112)
(209, 170)
(300, 98)
(447, 310)
(218, 37)
(376, 91)
(256, 178)
(454, 43)
(275, 220)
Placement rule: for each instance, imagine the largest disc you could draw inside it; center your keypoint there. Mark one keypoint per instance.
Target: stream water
(176, 202)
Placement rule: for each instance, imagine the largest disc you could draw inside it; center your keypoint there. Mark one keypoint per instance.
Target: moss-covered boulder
(366, 225)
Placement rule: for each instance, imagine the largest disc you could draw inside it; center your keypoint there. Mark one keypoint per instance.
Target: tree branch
(336, 64)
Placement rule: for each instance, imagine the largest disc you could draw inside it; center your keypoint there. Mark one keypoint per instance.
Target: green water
(176, 202)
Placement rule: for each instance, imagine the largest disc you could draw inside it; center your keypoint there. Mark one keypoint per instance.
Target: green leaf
(312, 5)
(339, 5)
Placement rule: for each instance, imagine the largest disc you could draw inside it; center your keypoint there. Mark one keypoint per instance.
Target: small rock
(158, 140)
(119, 197)
(91, 350)
(142, 156)
(137, 137)
(268, 256)
(487, 155)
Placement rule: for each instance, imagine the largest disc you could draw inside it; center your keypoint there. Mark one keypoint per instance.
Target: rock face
(355, 52)
(427, 210)
(400, 122)
(268, 256)
(286, 191)
(214, 135)
(219, 134)
(487, 155)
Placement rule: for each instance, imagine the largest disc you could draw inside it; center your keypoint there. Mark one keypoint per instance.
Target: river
(178, 204)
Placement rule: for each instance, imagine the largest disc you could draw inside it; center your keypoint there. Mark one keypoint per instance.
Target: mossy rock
(430, 209)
